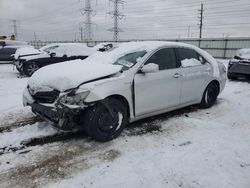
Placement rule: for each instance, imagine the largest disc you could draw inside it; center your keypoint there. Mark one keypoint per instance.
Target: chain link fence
(223, 48)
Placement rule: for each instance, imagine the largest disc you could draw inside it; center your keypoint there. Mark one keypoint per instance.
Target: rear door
(195, 74)
(158, 90)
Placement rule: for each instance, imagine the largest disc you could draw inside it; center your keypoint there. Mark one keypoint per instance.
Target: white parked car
(135, 80)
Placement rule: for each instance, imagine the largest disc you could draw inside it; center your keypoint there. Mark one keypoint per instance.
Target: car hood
(36, 56)
(69, 75)
(24, 51)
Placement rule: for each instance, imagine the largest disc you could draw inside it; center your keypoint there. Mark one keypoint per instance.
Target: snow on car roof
(73, 49)
(14, 42)
(149, 46)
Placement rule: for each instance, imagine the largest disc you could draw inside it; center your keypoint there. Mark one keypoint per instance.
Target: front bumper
(62, 117)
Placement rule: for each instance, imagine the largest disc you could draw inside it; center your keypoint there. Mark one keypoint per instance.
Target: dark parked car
(239, 66)
(27, 65)
(6, 53)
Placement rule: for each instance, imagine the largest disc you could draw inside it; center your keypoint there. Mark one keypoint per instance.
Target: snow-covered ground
(187, 148)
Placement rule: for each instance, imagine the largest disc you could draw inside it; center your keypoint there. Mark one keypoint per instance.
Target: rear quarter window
(189, 57)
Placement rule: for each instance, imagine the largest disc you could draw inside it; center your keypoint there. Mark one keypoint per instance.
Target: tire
(210, 95)
(30, 68)
(99, 122)
(18, 69)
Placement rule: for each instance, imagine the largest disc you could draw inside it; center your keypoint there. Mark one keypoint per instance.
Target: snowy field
(186, 148)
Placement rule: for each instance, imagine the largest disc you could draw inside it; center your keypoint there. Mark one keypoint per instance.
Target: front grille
(46, 96)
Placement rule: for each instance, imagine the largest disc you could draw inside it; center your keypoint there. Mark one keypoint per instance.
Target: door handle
(176, 75)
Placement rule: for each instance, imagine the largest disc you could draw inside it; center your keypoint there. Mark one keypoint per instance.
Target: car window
(164, 58)
(129, 60)
(189, 57)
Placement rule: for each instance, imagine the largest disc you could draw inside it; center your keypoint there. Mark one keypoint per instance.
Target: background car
(8, 48)
(30, 52)
(7, 52)
(239, 66)
(130, 82)
(27, 65)
(4, 43)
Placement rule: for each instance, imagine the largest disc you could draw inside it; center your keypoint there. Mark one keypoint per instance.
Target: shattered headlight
(74, 98)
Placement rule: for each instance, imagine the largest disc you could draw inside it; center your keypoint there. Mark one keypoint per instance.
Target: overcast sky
(145, 19)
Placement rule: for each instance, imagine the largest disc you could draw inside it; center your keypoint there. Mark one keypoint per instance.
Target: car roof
(13, 42)
(16, 47)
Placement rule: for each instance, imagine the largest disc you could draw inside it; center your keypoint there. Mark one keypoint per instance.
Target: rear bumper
(239, 69)
(234, 74)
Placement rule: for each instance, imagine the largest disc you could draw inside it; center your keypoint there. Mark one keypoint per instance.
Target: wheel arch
(217, 84)
(123, 100)
(27, 63)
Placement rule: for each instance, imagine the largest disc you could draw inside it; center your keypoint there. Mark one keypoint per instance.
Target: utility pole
(189, 31)
(81, 34)
(116, 15)
(35, 36)
(201, 13)
(88, 12)
(15, 28)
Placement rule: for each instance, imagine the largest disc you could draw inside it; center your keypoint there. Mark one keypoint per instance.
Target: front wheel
(105, 120)
(19, 67)
(210, 95)
(30, 68)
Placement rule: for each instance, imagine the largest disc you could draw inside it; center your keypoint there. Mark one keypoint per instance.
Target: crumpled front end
(50, 106)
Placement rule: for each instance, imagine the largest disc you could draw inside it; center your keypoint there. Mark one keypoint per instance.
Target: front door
(158, 90)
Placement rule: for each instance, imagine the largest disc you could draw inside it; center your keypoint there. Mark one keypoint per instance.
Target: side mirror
(149, 68)
(53, 54)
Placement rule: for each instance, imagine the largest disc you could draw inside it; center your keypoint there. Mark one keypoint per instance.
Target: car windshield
(48, 49)
(129, 60)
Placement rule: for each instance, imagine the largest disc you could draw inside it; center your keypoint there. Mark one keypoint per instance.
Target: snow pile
(29, 50)
(70, 74)
(190, 62)
(15, 137)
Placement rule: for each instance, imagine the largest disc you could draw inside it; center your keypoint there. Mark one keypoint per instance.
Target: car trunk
(243, 67)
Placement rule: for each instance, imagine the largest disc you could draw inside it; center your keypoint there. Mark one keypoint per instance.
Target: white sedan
(131, 81)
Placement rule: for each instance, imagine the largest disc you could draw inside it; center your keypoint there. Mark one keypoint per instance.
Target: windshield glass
(48, 49)
(129, 60)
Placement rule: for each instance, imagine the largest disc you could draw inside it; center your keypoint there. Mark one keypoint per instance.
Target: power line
(116, 15)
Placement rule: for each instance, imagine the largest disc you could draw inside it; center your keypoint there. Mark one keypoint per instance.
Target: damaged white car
(134, 80)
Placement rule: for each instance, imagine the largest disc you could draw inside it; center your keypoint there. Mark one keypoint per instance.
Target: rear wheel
(30, 68)
(105, 120)
(210, 95)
